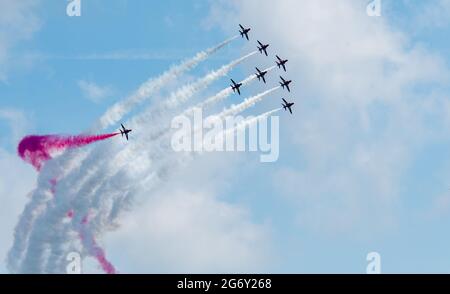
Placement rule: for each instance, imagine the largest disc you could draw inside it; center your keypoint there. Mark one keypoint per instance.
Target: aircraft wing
(282, 79)
(246, 35)
(260, 44)
(284, 66)
(290, 110)
(289, 90)
(126, 135)
(242, 27)
(264, 79)
(239, 91)
(284, 101)
(234, 83)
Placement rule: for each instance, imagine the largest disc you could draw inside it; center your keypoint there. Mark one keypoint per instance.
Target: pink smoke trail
(94, 249)
(38, 149)
(99, 254)
(70, 213)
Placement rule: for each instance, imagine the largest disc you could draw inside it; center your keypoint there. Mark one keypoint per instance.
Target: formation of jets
(262, 48)
(261, 75)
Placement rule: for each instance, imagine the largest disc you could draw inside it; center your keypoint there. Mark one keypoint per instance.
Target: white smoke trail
(182, 95)
(243, 125)
(247, 103)
(68, 162)
(117, 111)
(188, 91)
(209, 101)
(236, 109)
(224, 93)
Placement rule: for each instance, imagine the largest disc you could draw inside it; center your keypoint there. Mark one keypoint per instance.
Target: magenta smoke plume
(38, 149)
(95, 250)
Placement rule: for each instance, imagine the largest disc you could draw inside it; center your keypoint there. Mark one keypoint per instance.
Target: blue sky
(363, 164)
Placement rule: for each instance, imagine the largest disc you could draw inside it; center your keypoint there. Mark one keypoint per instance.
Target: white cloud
(182, 231)
(359, 119)
(18, 22)
(94, 92)
(185, 227)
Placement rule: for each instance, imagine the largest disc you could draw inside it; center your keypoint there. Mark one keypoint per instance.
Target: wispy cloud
(94, 92)
(122, 55)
